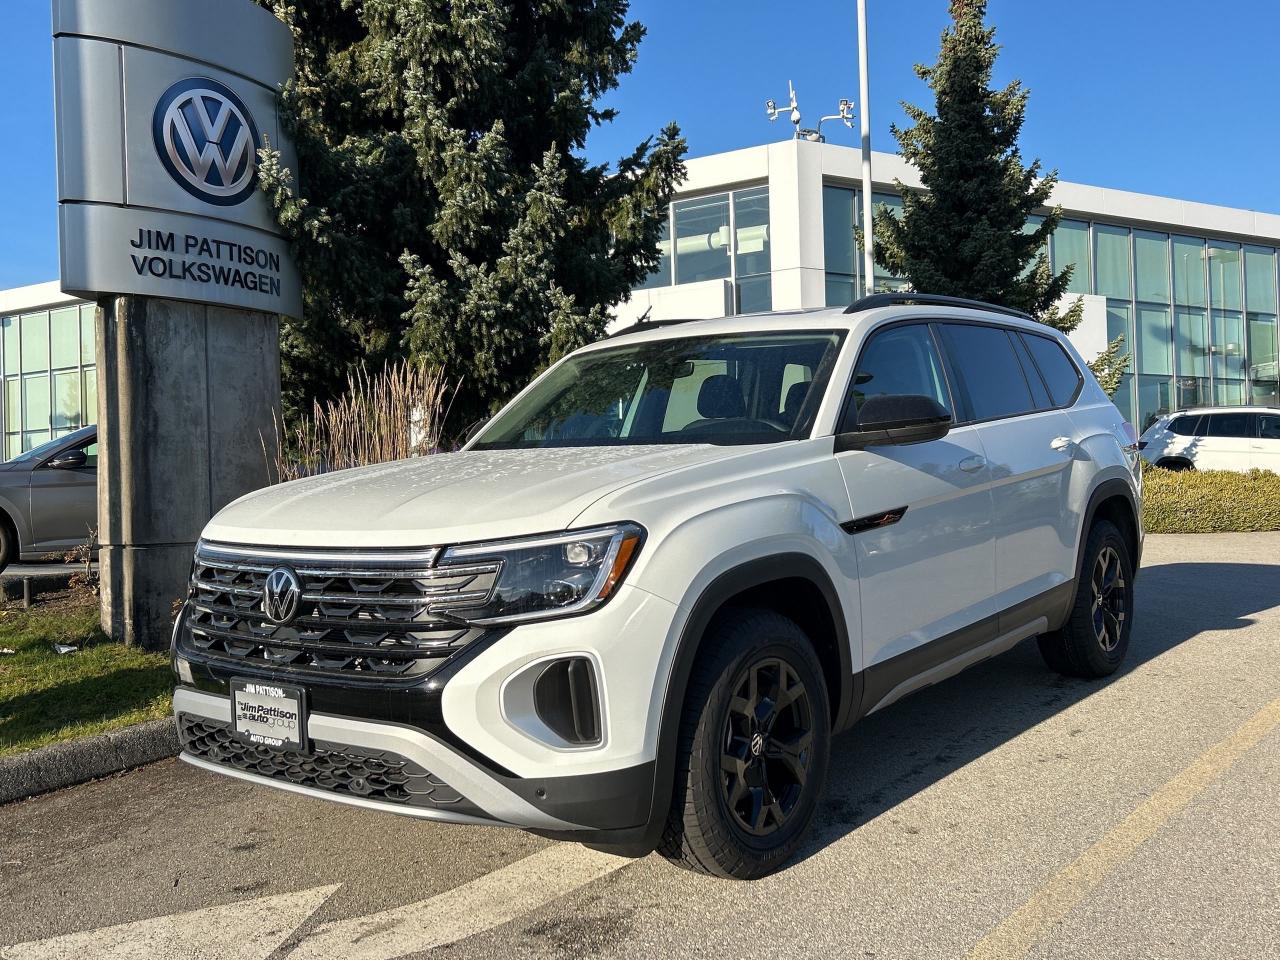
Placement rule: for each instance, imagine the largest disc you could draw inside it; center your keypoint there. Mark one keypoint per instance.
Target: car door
(1228, 441)
(64, 500)
(1266, 446)
(1031, 452)
(921, 517)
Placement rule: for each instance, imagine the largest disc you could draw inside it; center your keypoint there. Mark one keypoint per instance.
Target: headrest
(720, 398)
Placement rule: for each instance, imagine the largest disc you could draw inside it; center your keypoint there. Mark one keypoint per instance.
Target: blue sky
(1170, 97)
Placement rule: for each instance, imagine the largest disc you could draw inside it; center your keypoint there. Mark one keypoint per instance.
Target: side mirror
(69, 460)
(474, 429)
(895, 420)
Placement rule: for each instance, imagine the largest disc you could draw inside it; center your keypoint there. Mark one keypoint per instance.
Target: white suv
(1215, 438)
(635, 608)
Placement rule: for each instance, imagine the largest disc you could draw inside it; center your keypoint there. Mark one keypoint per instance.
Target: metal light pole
(864, 86)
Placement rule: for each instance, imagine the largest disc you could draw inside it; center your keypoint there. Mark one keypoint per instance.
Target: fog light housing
(566, 699)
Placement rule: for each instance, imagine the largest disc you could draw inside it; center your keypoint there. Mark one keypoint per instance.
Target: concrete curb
(64, 764)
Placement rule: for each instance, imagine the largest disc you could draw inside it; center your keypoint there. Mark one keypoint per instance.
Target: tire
(8, 544)
(747, 782)
(1095, 638)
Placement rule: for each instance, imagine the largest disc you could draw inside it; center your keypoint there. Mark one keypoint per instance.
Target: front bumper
(472, 795)
(459, 729)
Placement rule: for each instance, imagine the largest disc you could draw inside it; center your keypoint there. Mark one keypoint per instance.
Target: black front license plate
(269, 714)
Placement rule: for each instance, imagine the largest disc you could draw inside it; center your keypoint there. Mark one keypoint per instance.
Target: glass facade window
(720, 237)
(1151, 266)
(754, 287)
(702, 239)
(1111, 261)
(1188, 271)
(1071, 248)
(841, 221)
(51, 383)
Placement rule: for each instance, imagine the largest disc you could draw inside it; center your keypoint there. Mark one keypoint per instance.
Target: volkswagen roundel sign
(281, 595)
(207, 141)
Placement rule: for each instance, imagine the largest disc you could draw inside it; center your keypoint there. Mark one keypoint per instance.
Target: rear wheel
(754, 742)
(1175, 463)
(1095, 637)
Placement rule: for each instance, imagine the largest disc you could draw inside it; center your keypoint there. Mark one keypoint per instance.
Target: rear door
(1228, 441)
(921, 513)
(1266, 447)
(1031, 450)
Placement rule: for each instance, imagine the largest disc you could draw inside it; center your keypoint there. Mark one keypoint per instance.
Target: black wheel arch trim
(733, 582)
(1108, 489)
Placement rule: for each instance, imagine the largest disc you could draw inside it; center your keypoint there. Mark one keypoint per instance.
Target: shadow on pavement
(900, 751)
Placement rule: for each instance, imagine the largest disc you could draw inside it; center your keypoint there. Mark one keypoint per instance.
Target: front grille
(381, 776)
(367, 614)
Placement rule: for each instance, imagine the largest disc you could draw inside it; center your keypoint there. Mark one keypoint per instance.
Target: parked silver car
(49, 497)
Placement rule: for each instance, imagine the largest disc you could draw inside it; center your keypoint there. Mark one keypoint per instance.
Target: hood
(447, 497)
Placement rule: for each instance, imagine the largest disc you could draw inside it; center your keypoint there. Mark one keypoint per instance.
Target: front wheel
(1095, 637)
(754, 743)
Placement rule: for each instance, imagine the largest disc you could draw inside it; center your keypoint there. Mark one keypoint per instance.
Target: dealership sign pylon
(162, 108)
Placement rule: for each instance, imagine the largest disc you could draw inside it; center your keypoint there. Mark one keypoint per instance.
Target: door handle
(1062, 444)
(972, 464)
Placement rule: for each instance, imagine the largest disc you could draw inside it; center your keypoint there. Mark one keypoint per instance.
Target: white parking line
(249, 930)
(476, 906)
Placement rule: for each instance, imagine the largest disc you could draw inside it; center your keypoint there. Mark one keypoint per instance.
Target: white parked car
(633, 611)
(1215, 438)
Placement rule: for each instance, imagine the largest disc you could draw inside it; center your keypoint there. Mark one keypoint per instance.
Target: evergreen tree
(443, 207)
(968, 236)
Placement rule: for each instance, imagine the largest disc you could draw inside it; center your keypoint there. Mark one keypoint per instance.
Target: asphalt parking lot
(1005, 813)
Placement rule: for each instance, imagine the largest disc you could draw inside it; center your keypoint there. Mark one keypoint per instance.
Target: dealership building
(1191, 286)
(47, 357)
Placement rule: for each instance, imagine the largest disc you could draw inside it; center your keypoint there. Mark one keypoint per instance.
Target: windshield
(736, 388)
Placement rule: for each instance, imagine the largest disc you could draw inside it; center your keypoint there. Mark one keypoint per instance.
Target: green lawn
(45, 697)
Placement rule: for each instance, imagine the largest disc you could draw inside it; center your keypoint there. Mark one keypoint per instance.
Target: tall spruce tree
(968, 236)
(443, 207)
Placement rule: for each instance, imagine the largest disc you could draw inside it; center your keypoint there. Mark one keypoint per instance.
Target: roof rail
(931, 300)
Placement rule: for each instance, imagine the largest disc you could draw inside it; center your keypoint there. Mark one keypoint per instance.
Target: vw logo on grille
(281, 595)
(207, 141)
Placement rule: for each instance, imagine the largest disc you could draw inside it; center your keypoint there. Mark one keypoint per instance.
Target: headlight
(551, 576)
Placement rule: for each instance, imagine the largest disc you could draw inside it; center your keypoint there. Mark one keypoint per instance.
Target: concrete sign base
(185, 426)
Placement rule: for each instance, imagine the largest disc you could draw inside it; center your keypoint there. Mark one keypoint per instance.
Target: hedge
(1210, 501)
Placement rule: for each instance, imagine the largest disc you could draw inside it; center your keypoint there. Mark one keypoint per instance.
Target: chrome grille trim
(375, 614)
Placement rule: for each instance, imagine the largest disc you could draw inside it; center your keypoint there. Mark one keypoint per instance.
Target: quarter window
(1060, 374)
(900, 361)
(988, 370)
(1184, 426)
(1269, 426)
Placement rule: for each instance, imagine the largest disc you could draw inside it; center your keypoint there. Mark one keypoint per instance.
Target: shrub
(1210, 501)
(381, 417)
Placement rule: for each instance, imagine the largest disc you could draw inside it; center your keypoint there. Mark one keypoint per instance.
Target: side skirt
(893, 679)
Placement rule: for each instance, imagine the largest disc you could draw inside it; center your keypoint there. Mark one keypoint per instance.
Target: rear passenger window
(1184, 426)
(988, 370)
(1230, 425)
(1060, 374)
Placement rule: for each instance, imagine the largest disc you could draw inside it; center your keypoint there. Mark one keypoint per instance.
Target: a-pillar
(188, 396)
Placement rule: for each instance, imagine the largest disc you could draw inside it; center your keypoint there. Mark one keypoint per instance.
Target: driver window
(901, 361)
(91, 455)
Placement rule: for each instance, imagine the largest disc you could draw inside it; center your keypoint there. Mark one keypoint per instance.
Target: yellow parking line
(1020, 931)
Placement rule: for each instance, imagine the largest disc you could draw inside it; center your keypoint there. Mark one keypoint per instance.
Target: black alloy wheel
(768, 741)
(1110, 599)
